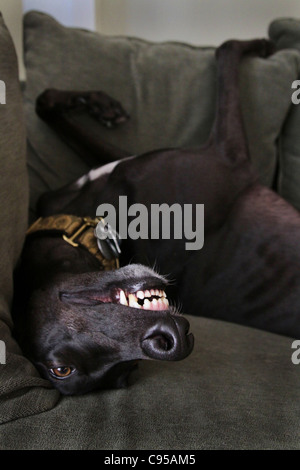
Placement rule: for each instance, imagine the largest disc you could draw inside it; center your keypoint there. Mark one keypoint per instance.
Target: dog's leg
(233, 145)
(59, 109)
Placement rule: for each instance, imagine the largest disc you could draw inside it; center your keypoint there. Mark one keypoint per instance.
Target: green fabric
(286, 35)
(238, 390)
(22, 392)
(168, 88)
(285, 32)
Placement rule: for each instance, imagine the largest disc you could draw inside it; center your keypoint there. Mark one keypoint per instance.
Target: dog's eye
(61, 372)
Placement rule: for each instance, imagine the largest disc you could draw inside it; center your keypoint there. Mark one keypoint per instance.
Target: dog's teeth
(147, 304)
(132, 301)
(162, 305)
(123, 300)
(153, 299)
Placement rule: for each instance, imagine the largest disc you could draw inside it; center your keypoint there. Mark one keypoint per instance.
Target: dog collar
(80, 232)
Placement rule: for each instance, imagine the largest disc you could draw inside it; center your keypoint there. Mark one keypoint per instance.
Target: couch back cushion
(286, 35)
(169, 90)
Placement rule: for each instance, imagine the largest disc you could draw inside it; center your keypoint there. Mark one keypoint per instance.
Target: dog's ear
(83, 297)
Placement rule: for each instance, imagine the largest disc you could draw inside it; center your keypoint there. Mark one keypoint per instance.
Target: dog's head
(89, 330)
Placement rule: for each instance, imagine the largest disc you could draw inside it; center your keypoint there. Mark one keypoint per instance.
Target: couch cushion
(286, 35)
(22, 392)
(168, 89)
(238, 390)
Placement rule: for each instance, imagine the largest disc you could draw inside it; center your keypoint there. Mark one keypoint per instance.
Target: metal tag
(108, 240)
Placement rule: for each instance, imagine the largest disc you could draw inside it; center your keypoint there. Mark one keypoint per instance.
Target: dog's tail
(228, 132)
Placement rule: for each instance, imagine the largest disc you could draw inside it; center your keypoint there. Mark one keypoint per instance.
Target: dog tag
(108, 240)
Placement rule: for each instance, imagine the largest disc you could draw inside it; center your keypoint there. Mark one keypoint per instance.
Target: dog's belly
(249, 271)
(247, 291)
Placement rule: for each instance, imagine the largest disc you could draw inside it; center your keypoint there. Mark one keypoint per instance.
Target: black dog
(85, 325)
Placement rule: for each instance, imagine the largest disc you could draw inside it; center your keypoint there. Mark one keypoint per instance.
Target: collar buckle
(87, 223)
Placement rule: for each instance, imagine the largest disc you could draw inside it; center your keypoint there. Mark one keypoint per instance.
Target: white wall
(12, 14)
(79, 13)
(203, 22)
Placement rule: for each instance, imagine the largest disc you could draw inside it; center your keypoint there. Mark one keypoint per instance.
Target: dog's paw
(109, 112)
(54, 103)
(259, 47)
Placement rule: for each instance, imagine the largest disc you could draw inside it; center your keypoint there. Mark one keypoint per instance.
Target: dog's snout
(168, 339)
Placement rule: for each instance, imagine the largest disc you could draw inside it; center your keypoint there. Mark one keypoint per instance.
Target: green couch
(239, 388)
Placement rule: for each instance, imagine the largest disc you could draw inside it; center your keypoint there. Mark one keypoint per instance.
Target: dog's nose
(168, 339)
